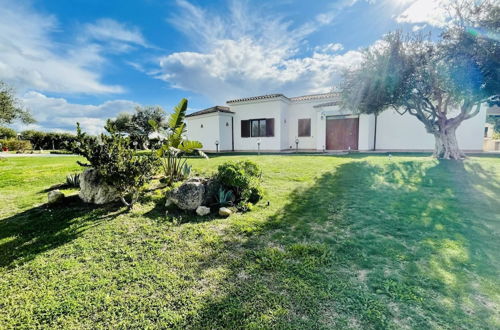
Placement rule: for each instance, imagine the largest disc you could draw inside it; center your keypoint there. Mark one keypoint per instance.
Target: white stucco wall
(394, 132)
(302, 110)
(206, 135)
(225, 134)
(405, 132)
(258, 110)
(366, 132)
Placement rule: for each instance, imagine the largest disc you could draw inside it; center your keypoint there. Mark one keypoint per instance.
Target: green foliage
(243, 178)
(495, 120)
(11, 108)
(337, 232)
(73, 180)
(186, 171)
(16, 145)
(173, 147)
(441, 82)
(224, 197)
(48, 140)
(138, 125)
(7, 133)
(116, 163)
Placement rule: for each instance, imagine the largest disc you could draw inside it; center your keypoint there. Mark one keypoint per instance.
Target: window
(305, 127)
(257, 127)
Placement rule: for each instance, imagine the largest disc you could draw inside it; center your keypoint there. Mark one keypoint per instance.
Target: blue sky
(88, 60)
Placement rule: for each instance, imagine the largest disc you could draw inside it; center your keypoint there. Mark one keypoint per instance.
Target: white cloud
(416, 28)
(249, 52)
(432, 12)
(57, 114)
(109, 30)
(31, 58)
(329, 48)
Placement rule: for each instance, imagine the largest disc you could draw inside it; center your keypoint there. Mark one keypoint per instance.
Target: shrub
(116, 164)
(174, 148)
(7, 133)
(243, 178)
(48, 140)
(73, 180)
(14, 144)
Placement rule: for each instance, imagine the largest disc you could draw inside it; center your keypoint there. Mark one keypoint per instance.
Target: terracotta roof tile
(260, 97)
(314, 97)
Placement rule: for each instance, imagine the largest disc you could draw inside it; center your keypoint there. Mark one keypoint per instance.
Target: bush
(243, 178)
(7, 133)
(48, 140)
(116, 164)
(14, 144)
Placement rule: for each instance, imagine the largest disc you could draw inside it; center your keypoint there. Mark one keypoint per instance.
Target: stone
(54, 196)
(211, 190)
(93, 190)
(202, 210)
(187, 196)
(225, 212)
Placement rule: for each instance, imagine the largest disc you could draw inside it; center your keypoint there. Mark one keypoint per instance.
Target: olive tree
(11, 108)
(441, 82)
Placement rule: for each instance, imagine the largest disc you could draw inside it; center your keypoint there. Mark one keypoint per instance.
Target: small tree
(7, 133)
(116, 164)
(137, 125)
(174, 147)
(441, 83)
(11, 108)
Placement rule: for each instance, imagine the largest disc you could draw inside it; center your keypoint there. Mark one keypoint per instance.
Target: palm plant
(174, 147)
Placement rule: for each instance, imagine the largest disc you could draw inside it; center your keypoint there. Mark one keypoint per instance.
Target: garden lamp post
(297, 145)
(258, 146)
(217, 146)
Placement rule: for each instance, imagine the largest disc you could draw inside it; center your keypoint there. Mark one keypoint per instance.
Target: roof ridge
(215, 108)
(259, 97)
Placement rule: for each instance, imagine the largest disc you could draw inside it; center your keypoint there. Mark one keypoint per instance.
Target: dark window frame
(307, 130)
(261, 129)
(264, 128)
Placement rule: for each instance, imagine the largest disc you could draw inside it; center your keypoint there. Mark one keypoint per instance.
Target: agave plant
(73, 180)
(174, 147)
(224, 197)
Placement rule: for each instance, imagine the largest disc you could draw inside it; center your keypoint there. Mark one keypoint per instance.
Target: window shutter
(245, 128)
(305, 127)
(270, 127)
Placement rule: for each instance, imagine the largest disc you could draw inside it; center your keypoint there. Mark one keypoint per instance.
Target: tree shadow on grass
(403, 244)
(25, 235)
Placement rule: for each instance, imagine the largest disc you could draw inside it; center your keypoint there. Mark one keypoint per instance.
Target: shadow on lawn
(45, 227)
(406, 244)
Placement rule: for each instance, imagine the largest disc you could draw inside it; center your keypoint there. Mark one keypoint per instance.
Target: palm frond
(177, 117)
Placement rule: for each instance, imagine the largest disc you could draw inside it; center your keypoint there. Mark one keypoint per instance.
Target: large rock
(54, 196)
(93, 190)
(202, 210)
(225, 212)
(187, 196)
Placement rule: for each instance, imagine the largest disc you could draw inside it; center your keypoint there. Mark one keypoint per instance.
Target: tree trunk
(447, 145)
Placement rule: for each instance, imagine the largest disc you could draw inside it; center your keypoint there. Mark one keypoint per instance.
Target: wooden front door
(342, 133)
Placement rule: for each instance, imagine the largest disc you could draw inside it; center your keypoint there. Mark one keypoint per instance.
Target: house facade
(315, 122)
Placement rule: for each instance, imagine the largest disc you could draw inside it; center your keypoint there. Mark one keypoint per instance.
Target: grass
(346, 242)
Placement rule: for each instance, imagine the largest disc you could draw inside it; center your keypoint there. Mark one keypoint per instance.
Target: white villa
(315, 122)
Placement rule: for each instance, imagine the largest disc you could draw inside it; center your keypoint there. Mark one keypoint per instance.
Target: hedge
(14, 144)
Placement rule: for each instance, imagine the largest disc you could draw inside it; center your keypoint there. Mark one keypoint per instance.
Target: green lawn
(346, 242)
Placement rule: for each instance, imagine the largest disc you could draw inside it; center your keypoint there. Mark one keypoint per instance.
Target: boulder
(202, 210)
(225, 212)
(93, 190)
(54, 196)
(187, 196)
